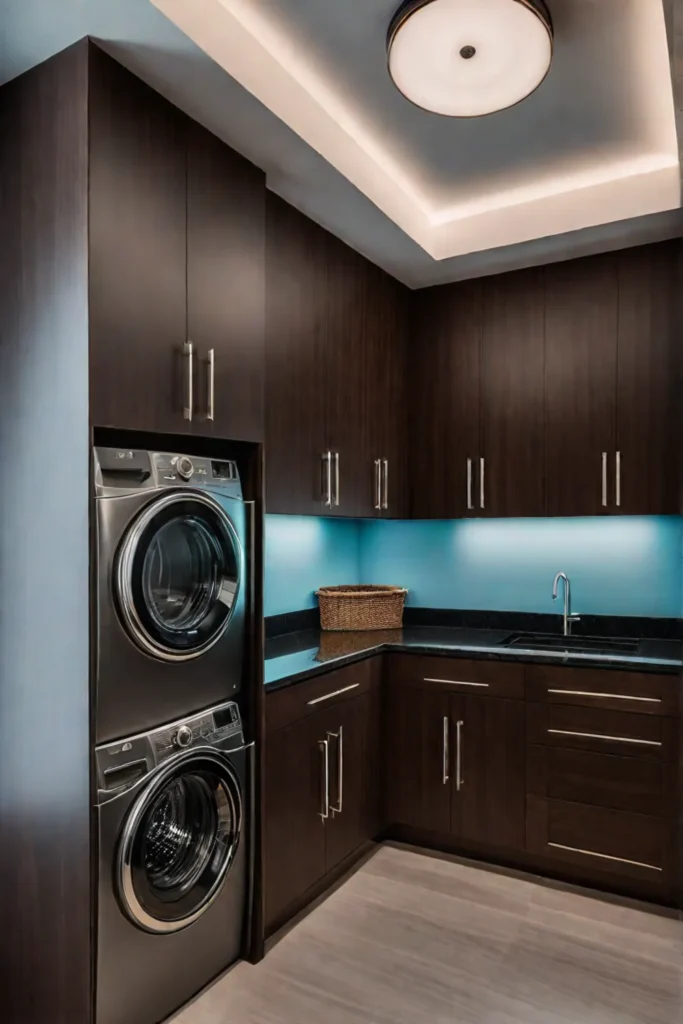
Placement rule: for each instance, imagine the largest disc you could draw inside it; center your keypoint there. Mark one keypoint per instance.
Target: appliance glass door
(179, 842)
(178, 575)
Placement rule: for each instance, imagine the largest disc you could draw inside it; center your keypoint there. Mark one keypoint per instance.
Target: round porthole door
(177, 576)
(179, 842)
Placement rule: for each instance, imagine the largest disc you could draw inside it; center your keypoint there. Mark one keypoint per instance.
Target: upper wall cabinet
(336, 334)
(477, 373)
(548, 391)
(177, 268)
(581, 318)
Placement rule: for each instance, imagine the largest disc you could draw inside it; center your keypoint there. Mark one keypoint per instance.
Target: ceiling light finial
(431, 44)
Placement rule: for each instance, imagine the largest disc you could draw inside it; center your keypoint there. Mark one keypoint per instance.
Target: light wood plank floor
(411, 939)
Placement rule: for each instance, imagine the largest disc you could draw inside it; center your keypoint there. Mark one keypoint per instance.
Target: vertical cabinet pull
(327, 462)
(604, 479)
(339, 737)
(211, 385)
(385, 503)
(336, 479)
(188, 359)
(470, 504)
(482, 491)
(325, 748)
(446, 755)
(458, 756)
(378, 484)
(617, 485)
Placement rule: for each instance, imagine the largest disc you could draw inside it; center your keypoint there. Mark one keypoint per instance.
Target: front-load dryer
(173, 576)
(173, 813)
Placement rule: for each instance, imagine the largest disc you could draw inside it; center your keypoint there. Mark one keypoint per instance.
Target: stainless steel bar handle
(211, 384)
(446, 754)
(339, 737)
(327, 458)
(378, 484)
(470, 505)
(604, 479)
(188, 356)
(482, 490)
(458, 756)
(618, 478)
(336, 479)
(325, 747)
(385, 503)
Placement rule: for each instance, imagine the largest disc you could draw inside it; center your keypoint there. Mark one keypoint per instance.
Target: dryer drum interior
(177, 576)
(178, 842)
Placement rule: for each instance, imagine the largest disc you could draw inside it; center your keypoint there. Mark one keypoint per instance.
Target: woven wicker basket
(361, 607)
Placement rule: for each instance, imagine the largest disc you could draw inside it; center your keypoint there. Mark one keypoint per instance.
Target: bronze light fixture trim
(469, 58)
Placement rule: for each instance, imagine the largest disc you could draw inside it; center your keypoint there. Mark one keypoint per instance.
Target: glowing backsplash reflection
(617, 566)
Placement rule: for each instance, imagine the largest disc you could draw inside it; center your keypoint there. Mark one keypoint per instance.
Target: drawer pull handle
(456, 682)
(598, 736)
(604, 856)
(446, 754)
(327, 696)
(610, 696)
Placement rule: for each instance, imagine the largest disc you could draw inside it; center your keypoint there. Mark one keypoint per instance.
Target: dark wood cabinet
(295, 836)
(335, 350)
(137, 252)
(444, 380)
(581, 303)
(177, 268)
(648, 379)
(322, 785)
(488, 787)
(511, 476)
(417, 771)
(455, 761)
(226, 286)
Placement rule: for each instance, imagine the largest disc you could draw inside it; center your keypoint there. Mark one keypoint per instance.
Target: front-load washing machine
(173, 540)
(173, 810)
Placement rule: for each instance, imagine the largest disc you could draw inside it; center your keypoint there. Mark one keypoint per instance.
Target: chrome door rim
(132, 905)
(124, 575)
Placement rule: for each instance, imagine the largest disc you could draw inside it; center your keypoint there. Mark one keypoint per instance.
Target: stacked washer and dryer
(173, 768)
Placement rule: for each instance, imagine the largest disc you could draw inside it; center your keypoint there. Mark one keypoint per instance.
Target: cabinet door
(295, 346)
(351, 781)
(580, 384)
(294, 828)
(347, 299)
(226, 286)
(137, 229)
(647, 377)
(385, 466)
(512, 411)
(417, 758)
(444, 372)
(488, 790)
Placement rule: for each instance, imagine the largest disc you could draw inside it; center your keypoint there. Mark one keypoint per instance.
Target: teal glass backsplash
(617, 565)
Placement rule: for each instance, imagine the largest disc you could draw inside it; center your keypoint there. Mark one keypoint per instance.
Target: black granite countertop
(292, 657)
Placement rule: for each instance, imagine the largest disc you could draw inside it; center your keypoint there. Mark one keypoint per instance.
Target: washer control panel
(118, 469)
(123, 763)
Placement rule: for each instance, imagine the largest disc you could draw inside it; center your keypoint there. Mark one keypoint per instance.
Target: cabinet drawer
(603, 780)
(302, 699)
(616, 691)
(608, 841)
(607, 732)
(465, 675)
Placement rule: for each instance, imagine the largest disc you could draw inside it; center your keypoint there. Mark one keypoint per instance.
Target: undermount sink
(578, 644)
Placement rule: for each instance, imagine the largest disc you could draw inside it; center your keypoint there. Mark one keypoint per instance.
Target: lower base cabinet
(456, 764)
(567, 772)
(322, 782)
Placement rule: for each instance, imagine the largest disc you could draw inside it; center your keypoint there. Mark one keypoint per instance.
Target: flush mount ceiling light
(466, 58)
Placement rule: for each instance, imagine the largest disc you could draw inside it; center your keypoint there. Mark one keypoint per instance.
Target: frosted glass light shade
(466, 58)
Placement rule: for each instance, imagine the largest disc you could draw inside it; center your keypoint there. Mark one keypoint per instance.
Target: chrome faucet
(567, 617)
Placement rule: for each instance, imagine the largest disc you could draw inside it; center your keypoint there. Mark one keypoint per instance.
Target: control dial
(184, 467)
(183, 737)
